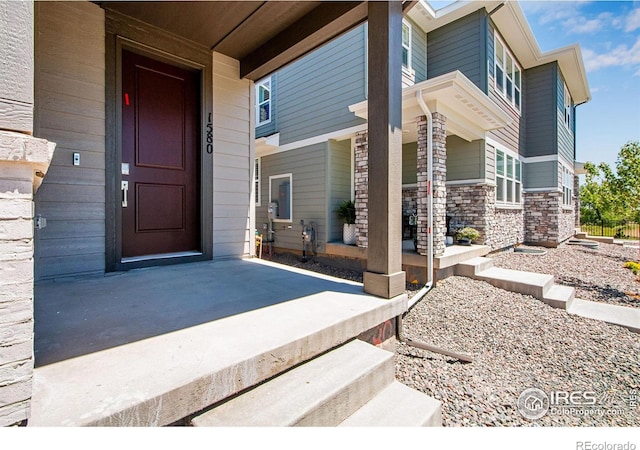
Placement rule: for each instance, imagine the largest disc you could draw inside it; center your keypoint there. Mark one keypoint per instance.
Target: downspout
(427, 287)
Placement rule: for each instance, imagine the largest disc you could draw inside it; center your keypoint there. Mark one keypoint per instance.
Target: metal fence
(615, 229)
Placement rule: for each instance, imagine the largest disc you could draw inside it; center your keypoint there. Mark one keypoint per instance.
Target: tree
(612, 196)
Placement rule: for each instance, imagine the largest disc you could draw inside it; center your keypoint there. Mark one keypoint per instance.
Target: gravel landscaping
(598, 275)
(517, 342)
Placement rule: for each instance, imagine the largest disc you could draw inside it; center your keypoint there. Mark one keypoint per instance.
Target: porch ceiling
(470, 113)
(263, 35)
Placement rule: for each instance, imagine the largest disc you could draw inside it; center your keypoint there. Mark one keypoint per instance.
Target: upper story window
(406, 45)
(567, 187)
(508, 179)
(567, 108)
(508, 75)
(263, 102)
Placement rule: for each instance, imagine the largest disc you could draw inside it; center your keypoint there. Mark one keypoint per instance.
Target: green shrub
(634, 266)
(469, 233)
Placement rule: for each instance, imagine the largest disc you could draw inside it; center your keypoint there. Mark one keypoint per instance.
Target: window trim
(283, 175)
(516, 184)
(409, 47)
(260, 83)
(257, 180)
(502, 92)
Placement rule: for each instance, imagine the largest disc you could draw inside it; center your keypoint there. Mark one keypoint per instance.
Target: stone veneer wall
(361, 185)
(409, 200)
(542, 217)
(475, 206)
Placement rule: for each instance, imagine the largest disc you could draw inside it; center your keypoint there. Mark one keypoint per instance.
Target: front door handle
(125, 192)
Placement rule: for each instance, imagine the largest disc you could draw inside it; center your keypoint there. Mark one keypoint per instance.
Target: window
(508, 75)
(263, 102)
(567, 108)
(508, 179)
(406, 45)
(567, 187)
(256, 180)
(280, 194)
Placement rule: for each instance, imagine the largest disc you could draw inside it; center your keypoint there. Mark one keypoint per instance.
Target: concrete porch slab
(164, 343)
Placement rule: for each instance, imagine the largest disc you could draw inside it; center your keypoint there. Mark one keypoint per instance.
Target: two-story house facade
(488, 133)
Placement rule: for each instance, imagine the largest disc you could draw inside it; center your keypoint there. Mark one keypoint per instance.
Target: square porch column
(24, 160)
(384, 276)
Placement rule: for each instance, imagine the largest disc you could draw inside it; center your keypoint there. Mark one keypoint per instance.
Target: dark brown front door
(160, 152)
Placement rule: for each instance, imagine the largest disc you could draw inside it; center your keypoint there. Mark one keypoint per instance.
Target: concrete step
(580, 235)
(471, 267)
(397, 406)
(160, 380)
(321, 392)
(623, 316)
(559, 296)
(528, 283)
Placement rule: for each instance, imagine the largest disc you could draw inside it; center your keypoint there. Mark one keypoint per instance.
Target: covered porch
(152, 346)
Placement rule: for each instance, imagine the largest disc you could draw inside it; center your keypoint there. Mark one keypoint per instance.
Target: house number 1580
(210, 135)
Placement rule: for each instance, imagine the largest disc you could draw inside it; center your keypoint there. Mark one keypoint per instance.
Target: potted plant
(347, 213)
(467, 235)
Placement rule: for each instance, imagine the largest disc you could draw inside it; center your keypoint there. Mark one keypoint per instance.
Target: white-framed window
(281, 193)
(508, 74)
(406, 45)
(256, 180)
(567, 108)
(263, 102)
(508, 179)
(567, 187)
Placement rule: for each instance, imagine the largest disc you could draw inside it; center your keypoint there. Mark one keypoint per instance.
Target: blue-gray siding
(314, 93)
(541, 113)
(459, 46)
(308, 166)
(565, 134)
(272, 127)
(465, 160)
(418, 52)
(410, 163)
(540, 175)
(338, 185)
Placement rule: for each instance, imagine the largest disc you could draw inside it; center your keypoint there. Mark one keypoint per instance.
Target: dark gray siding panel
(308, 166)
(70, 111)
(339, 185)
(272, 127)
(458, 46)
(565, 135)
(410, 163)
(541, 110)
(314, 93)
(465, 160)
(540, 175)
(418, 52)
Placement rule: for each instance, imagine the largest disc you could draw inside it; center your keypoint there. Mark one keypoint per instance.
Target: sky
(608, 33)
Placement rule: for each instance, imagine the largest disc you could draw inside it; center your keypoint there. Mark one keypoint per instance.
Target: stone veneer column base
(361, 186)
(23, 162)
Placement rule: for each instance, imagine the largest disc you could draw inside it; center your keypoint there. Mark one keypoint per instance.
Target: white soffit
(470, 113)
